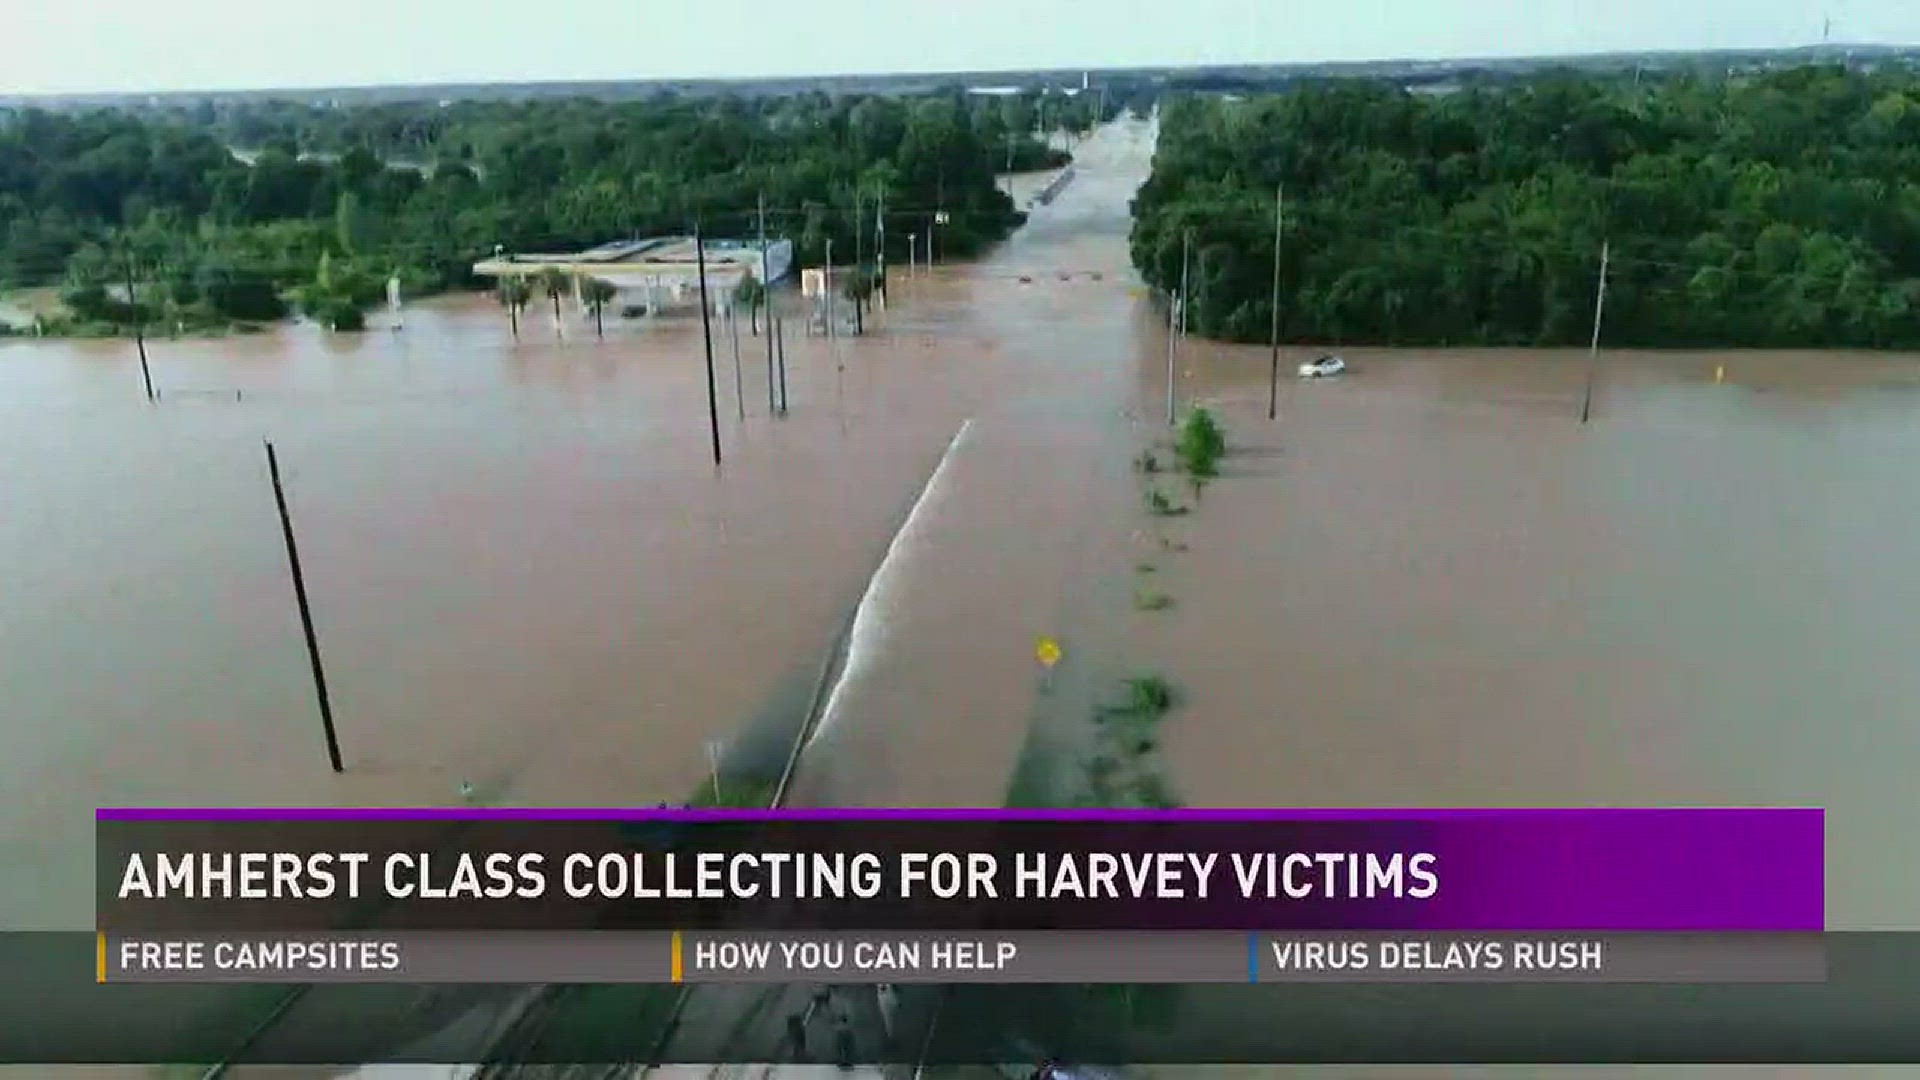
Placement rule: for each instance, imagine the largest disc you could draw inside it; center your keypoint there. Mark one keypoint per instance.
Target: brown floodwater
(526, 572)
(1428, 583)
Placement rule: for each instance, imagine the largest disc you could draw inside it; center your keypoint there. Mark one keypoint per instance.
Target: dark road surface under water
(1426, 584)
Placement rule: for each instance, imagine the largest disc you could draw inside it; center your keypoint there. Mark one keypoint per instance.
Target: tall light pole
(766, 298)
(1174, 300)
(880, 247)
(1273, 324)
(1177, 322)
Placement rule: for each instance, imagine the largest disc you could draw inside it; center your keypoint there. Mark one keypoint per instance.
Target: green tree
(340, 313)
(349, 224)
(1771, 209)
(230, 292)
(540, 173)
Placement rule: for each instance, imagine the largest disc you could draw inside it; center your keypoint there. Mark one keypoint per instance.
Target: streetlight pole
(1186, 264)
(139, 330)
(1177, 322)
(766, 299)
(1593, 348)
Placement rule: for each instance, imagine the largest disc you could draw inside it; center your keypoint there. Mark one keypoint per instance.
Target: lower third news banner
(851, 957)
(528, 895)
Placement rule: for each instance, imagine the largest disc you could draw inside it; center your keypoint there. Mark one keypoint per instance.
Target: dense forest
(1778, 209)
(331, 201)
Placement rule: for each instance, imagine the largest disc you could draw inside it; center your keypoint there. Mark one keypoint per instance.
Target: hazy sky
(127, 45)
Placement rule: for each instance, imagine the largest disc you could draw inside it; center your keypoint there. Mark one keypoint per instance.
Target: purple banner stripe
(1756, 817)
(1563, 868)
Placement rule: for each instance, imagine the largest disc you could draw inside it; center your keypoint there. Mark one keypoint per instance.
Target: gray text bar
(935, 957)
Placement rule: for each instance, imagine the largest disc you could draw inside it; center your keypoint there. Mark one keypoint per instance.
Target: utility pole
(829, 275)
(706, 334)
(306, 614)
(880, 248)
(1186, 263)
(1273, 323)
(780, 333)
(766, 297)
(1593, 348)
(139, 330)
(739, 385)
(859, 248)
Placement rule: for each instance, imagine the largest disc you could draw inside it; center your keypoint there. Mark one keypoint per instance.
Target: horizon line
(735, 80)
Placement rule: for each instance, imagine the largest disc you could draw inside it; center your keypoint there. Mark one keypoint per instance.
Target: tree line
(1774, 209)
(331, 202)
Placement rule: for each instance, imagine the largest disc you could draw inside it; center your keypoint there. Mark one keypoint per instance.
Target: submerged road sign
(1047, 651)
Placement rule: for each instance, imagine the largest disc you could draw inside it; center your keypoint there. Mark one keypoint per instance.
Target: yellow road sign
(1048, 651)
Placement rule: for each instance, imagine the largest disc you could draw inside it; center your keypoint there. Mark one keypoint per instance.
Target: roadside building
(656, 275)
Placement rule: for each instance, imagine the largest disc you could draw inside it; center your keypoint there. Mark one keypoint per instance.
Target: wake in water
(868, 635)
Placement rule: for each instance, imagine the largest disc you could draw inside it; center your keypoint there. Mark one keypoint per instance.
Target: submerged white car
(1323, 367)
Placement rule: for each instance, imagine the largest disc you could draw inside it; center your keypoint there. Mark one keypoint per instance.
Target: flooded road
(939, 686)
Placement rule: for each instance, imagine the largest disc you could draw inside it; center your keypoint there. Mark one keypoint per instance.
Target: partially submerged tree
(1202, 445)
(514, 294)
(858, 288)
(555, 283)
(597, 293)
(751, 293)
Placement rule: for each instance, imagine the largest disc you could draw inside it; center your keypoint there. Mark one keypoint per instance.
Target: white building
(656, 274)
